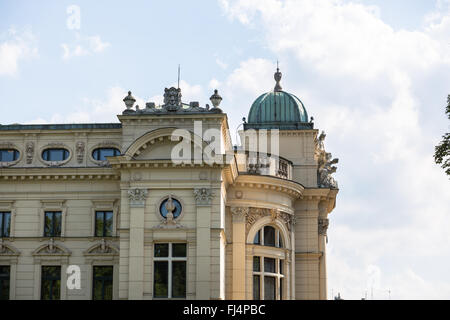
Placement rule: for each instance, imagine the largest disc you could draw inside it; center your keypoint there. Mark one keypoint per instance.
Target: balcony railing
(268, 165)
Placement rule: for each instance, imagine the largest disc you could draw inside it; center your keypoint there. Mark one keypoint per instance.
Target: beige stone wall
(220, 248)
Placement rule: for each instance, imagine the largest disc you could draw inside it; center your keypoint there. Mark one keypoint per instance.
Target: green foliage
(442, 150)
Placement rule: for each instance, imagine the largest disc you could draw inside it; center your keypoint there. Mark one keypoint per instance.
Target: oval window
(8, 155)
(170, 205)
(100, 154)
(55, 154)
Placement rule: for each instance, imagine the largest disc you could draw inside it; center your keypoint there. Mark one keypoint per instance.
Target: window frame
(52, 280)
(278, 236)
(52, 233)
(116, 153)
(47, 152)
(104, 212)
(8, 279)
(262, 274)
(170, 259)
(94, 278)
(16, 155)
(2, 224)
(52, 205)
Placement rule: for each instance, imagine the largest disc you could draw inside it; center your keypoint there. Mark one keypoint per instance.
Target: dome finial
(277, 77)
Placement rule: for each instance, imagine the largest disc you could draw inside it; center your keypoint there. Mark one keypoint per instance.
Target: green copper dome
(278, 110)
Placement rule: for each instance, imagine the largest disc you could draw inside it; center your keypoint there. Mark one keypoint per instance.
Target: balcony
(264, 164)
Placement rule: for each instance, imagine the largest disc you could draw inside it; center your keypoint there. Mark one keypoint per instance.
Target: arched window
(100, 154)
(59, 154)
(8, 155)
(269, 236)
(268, 270)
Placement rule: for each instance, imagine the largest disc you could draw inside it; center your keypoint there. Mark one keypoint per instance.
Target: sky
(373, 74)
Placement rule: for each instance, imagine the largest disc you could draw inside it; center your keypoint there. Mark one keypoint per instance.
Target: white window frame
(277, 275)
(169, 259)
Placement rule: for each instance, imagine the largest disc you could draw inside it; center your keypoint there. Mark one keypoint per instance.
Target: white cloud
(83, 45)
(366, 87)
(15, 47)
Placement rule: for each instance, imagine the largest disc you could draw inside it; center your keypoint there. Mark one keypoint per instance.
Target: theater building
(105, 211)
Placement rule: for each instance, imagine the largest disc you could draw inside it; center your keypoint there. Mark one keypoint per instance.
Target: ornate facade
(109, 203)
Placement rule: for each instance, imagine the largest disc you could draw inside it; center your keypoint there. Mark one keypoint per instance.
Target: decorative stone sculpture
(323, 226)
(29, 149)
(203, 196)
(172, 98)
(172, 104)
(137, 197)
(80, 151)
(325, 165)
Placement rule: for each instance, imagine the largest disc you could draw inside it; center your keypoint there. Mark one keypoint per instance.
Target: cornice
(40, 174)
(270, 183)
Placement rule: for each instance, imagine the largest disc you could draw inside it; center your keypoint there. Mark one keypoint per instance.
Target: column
(238, 285)
(203, 197)
(322, 226)
(137, 198)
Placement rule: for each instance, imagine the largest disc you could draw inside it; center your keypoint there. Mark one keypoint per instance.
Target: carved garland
(251, 215)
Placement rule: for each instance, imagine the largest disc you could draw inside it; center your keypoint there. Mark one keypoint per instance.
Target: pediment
(102, 248)
(52, 249)
(7, 249)
(158, 145)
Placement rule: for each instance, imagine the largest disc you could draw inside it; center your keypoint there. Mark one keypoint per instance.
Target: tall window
(5, 224)
(4, 282)
(51, 283)
(52, 224)
(103, 223)
(102, 286)
(268, 272)
(169, 270)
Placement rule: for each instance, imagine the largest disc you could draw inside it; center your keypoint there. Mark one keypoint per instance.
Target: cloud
(107, 108)
(368, 86)
(15, 47)
(83, 46)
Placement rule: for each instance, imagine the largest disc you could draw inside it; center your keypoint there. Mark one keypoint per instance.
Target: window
(269, 236)
(268, 277)
(51, 283)
(55, 154)
(103, 223)
(169, 270)
(52, 224)
(8, 155)
(102, 287)
(4, 282)
(268, 272)
(100, 154)
(5, 224)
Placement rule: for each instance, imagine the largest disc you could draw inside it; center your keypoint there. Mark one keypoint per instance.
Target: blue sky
(374, 74)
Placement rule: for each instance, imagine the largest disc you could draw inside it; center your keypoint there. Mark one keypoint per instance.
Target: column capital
(203, 196)
(137, 197)
(239, 213)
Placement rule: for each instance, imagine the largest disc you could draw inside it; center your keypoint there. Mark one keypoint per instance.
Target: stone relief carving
(137, 196)
(29, 150)
(203, 196)
(257, 213)
(170, 221)
(323, 226)
(239, 213)
(80, 151)
(325, 165)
